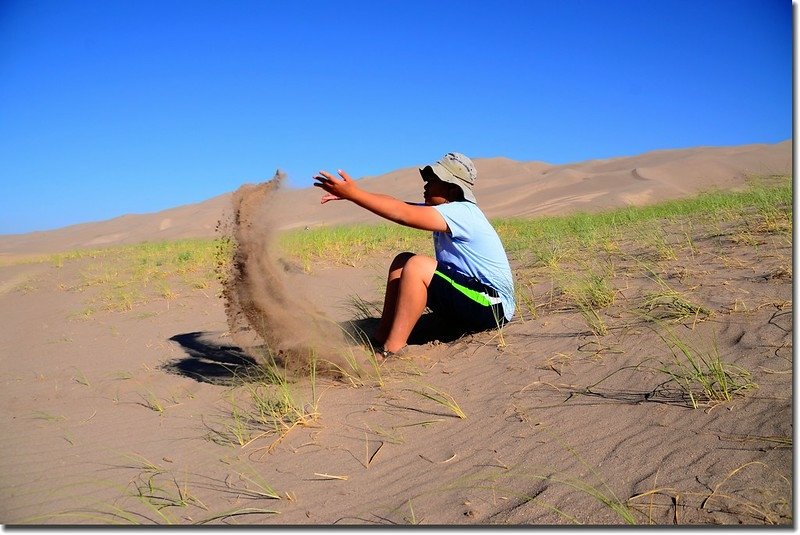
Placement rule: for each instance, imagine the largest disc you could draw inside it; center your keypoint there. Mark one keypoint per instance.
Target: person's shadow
(210, 360)
(428, 329)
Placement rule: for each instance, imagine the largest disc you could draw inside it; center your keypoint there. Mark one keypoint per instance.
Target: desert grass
(47, 416)
(150, 401)
(693, 374)
(266, 404)
(124, 277)
(766, 505)
(701, 374)
(506, 481)
(81, 378)
(669, 305)
(589, 289)
(580, 255)
(155, 495)
(438, 396)
(362, 309)
(127, 276)
(350, 245)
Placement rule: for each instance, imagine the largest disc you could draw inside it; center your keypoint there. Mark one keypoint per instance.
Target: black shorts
(463, 300)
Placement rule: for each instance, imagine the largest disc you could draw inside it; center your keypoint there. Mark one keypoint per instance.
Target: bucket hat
(457, 169)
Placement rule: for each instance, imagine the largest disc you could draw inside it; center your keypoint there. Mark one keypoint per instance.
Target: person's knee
(400, 261)
(421, 267)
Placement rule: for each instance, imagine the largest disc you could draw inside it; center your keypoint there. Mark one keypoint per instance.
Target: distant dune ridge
(505, 188)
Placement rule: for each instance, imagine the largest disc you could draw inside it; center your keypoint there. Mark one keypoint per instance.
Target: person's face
(437, 191)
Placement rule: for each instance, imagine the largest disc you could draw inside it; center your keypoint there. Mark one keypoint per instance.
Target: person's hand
(336, 189)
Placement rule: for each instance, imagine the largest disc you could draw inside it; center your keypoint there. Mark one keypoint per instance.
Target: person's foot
(384, 353)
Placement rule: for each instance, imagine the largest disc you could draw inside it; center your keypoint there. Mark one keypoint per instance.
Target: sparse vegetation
(701, 374)
(132, 274)
(576, 267)
(439, 396)
(265, 405)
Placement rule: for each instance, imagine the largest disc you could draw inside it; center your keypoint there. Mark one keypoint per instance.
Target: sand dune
(127, 417)
(505, 188)
(127, 410)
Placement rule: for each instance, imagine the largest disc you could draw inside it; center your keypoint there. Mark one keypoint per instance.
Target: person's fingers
(322, 178)
(326, 177)
(325, 198)
(344, 175)
(329, 197)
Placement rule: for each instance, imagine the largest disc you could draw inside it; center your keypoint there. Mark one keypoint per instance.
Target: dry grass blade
(238, 512)
(441, 397)
(332, 476)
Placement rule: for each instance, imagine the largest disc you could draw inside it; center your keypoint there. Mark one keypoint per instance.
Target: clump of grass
(441, 397)
(586, 285)
(669, 305)
(362, 309)
(256, 486)
(234, 430)
(652, 236)
(595, 291)
(701, 375)
(589, 291)
(272, 408)
(276, 408)
(359, 373)
(525, 296)
(593, 319)
(156, 494)
(360, 366)
(151, 401)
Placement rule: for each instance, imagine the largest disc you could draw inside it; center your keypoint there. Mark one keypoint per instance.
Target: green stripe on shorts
(476, 296)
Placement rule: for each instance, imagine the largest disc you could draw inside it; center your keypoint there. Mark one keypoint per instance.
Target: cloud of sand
(262, 312)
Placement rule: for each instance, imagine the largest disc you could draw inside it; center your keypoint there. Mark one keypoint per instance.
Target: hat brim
(446, 176)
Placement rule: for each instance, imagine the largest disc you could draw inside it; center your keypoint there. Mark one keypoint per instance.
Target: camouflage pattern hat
(457, 169)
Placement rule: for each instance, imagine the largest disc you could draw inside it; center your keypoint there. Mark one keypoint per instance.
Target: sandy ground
(120, 416)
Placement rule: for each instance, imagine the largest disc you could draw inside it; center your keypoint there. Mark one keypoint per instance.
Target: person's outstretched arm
(420, 217)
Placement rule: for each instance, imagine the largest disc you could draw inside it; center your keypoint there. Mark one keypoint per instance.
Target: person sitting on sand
(469, 283)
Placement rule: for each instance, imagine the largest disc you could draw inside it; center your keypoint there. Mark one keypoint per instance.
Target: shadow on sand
(209, 359)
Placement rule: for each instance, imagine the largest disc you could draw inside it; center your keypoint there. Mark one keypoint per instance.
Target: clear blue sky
(110, 107)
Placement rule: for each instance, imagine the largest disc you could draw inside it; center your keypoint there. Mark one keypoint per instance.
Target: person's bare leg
(411, 298)
(390, 297)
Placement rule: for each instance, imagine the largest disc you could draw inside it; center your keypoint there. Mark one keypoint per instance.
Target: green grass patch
(701, 374)
(546, 240)
(131, 274)
(128, 275)
(349, 245)
(267, 404)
